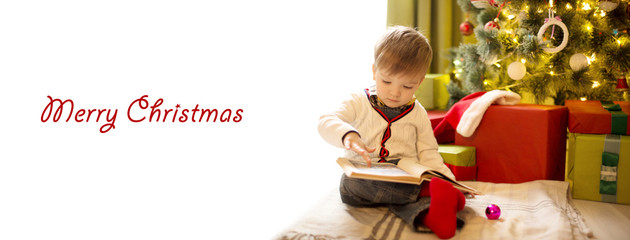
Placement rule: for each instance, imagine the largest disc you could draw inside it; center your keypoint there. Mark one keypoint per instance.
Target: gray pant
(401, 199)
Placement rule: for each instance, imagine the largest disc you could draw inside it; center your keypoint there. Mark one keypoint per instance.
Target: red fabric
(590, 117)
(446, 201)
(463, 173)
(424, 191)
(520, 143)
(445, 131)
(436, 116)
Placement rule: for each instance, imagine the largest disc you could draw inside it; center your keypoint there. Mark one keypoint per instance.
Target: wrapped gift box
(432, 93)
(440, 92)
(595, 117)
(436, 116)
(461, 161)
(598, 167)
(520, 143)
(424, 93)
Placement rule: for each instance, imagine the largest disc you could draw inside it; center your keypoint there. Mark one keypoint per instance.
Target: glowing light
(583, 99)
(591, 59)
(457, 75)
(523, 60)
(588, 28)
(550, 72)
(595, 84)
(498, 65)
(486, 83)
(568, 6)
(550, 3)
(511, 16)
(602, 14)
(586, 6)
(618, 42)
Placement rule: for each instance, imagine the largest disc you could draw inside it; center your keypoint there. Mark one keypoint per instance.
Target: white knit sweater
(411, 135)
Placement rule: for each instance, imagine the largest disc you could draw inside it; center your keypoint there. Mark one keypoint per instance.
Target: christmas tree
(548, 49)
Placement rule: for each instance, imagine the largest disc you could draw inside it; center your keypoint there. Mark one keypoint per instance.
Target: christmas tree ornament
(466, 28)
(492, 25)
(493, 212)
(516, 70)
(608, 5)
(622, 84)
(481, 4)
(557, 21)
(578, 61)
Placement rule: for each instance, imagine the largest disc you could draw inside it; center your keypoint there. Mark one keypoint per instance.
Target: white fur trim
(472, 116)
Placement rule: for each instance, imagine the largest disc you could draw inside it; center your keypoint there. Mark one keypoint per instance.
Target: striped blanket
(533, 210)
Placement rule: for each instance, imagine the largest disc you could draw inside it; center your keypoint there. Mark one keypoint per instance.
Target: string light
(591, 59)
(586, 6)
(595, 84)
(583, 99)
(568, 6)
(523, 60)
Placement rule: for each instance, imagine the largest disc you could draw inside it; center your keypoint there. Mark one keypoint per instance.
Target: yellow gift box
(461, 160)
(588, 172)
(432, 93)
(440, 92)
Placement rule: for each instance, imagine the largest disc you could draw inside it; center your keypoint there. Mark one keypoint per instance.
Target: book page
(413, 168)
(381, 169)
(426, 173)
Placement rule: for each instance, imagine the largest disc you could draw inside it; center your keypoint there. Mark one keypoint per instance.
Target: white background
(282, 62)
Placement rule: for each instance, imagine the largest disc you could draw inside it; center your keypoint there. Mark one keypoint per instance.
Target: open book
(409, 172)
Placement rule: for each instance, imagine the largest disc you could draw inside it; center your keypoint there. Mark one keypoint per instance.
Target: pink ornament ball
(491, 25)
(493, 212)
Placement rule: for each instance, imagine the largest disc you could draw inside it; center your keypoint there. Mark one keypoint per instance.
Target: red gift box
(520, 143)
(593, 118)
(436, 117)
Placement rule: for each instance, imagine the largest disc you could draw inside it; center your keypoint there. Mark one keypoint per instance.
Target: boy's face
(395, 90)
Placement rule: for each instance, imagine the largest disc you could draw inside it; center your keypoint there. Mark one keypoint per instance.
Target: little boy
(385, 123)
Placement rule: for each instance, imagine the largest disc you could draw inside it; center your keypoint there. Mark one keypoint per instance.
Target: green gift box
(461, 160)
(598, 167)
(432, 93)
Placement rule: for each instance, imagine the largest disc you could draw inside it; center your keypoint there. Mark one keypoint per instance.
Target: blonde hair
(403, 50)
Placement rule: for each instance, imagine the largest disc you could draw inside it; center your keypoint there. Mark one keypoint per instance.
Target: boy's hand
(353, 142)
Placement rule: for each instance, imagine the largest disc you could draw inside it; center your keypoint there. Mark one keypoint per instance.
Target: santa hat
(466, 114)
